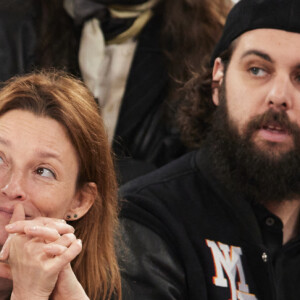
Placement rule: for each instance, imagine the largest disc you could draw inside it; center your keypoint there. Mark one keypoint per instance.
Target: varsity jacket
(185, 236)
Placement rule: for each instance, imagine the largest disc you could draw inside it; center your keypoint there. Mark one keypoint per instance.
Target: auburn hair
(61, 97)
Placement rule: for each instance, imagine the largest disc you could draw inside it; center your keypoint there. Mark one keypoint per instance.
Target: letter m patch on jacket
(227, 260)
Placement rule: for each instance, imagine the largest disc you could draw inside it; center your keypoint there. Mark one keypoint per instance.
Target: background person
(223, 222)
(133, 55)
(55, 164)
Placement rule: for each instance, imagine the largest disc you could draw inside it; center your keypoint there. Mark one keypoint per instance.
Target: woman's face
(38, 167)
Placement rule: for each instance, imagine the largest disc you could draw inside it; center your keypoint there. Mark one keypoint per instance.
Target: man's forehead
(272, 42)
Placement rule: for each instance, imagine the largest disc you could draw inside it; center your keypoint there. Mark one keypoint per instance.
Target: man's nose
(280, 94)
(13, 187)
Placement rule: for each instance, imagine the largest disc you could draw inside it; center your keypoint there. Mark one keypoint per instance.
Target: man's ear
(217, 77)
(84, 199)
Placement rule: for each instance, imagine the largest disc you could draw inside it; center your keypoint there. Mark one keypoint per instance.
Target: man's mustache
(271, 119)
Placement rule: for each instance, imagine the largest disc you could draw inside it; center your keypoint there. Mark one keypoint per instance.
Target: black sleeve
(150, 270)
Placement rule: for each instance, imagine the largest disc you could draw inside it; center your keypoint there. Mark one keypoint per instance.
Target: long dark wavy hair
(190, 31)
(194, 111)
(58, 38)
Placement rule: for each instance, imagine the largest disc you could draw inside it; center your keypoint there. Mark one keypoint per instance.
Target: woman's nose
(13, 187)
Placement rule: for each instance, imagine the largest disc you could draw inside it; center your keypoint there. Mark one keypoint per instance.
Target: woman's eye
(259, 72)
(45, 172)
(3, 162)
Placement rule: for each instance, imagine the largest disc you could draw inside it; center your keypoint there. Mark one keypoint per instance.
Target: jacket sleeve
(150, 270)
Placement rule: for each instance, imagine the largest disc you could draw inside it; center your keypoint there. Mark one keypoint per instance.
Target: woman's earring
(69, 217)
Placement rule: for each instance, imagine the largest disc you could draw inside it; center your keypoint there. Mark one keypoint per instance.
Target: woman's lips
(8, 211)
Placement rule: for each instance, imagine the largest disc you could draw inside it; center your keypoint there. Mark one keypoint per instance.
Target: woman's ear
(83, 201)
(217, 77)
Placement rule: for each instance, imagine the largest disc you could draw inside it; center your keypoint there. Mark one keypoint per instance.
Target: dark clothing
(18, 37)
(143, 139)
(190, 238)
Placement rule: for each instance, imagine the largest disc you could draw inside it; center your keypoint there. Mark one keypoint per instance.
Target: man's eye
(297, 78)
(257, 71)
(1, 160)
(45, 172)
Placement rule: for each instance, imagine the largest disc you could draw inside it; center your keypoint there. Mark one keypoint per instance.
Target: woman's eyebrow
(48, 154)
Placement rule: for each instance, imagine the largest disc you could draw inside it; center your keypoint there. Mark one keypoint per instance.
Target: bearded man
(222, 222)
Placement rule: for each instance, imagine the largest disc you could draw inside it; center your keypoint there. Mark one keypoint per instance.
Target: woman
(55, 171)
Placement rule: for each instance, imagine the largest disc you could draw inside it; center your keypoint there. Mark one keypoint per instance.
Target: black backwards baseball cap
(248, 15)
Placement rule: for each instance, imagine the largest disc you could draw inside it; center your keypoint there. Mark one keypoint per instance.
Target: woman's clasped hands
(36, 257)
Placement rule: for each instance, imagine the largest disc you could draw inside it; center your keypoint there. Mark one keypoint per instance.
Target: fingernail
(10, 226)
(1, 253)
(79, 241)
(33, 228)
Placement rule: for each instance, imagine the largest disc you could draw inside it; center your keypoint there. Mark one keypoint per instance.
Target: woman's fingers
(5, 249)
(71, 252)
(43, 232)
(46, 220)
(65, 249)
(66, 239)
(35, 228)
(5, 271)
(18, 213)
(54, 249)
(61, 227)
(49, 229)
(60, 245)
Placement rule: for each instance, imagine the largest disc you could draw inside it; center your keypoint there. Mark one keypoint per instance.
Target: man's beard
(261, 174)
